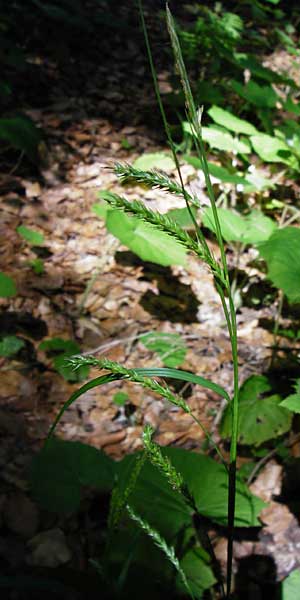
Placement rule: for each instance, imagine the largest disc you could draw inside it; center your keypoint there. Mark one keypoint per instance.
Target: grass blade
(184, 376)
(84, 388)
(118, 371)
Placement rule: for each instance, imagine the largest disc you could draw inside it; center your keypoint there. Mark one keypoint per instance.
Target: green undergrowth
(163, 502)
(165, 514)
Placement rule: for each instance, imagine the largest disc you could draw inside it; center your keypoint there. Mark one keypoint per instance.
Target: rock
(49, 549)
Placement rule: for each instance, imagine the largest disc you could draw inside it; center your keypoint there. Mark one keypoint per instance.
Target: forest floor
(94, 112)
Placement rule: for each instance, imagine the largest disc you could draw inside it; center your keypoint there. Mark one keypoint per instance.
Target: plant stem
(199, 234)
(233, 443)
(223, 287)
(276, 328)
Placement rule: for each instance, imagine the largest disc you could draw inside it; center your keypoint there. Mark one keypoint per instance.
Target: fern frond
(161, 544)
(152, 179)
(169, 226)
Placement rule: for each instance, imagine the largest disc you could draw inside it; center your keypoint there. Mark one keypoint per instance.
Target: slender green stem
(233, 443)
(209, 439)
(195, 123)
(276, 328)
(225, 309)
(211, 195)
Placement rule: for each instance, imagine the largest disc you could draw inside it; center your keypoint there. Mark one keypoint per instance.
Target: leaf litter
(81, 148)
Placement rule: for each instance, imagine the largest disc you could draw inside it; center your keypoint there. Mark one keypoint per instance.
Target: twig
(125, 340)
(16, 166)
(114, 244)
(266, 458)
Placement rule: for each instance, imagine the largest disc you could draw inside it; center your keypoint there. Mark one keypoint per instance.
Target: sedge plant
(146, 377)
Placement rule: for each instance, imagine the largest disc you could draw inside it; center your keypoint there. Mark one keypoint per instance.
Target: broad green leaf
(262, 96)
(233, 225)
(208, 93)
(261, 416)
(33, 237)
(248, 61)
(7, 286)
(101, 208)
(60, 349)
(291, 586)
(60, 345)
(182, 216)
(156, 160)
(10, 345)
(154, 499)
(120, 398)
(230, 121)
(217, 171)
(286, 40)
(224, 175)
(251, 229)
(69, 466)
(199, 575)
(22, 134)
(272, 149)
(258, 227)
(282, 255)
(38, 266)
(207, 481)
(67, 372)
(170, 347)
(292, 402)
(220, 138)
(144, 240)
(289, 131)
(257, 181)
(250, 181)
(292, 106)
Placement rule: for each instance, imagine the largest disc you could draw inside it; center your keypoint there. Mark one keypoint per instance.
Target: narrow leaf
(184, 376)
(85, 388)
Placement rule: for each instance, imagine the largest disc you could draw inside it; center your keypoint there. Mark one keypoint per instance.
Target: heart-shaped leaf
(282, 254)
(261, 416)
(144, 240)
